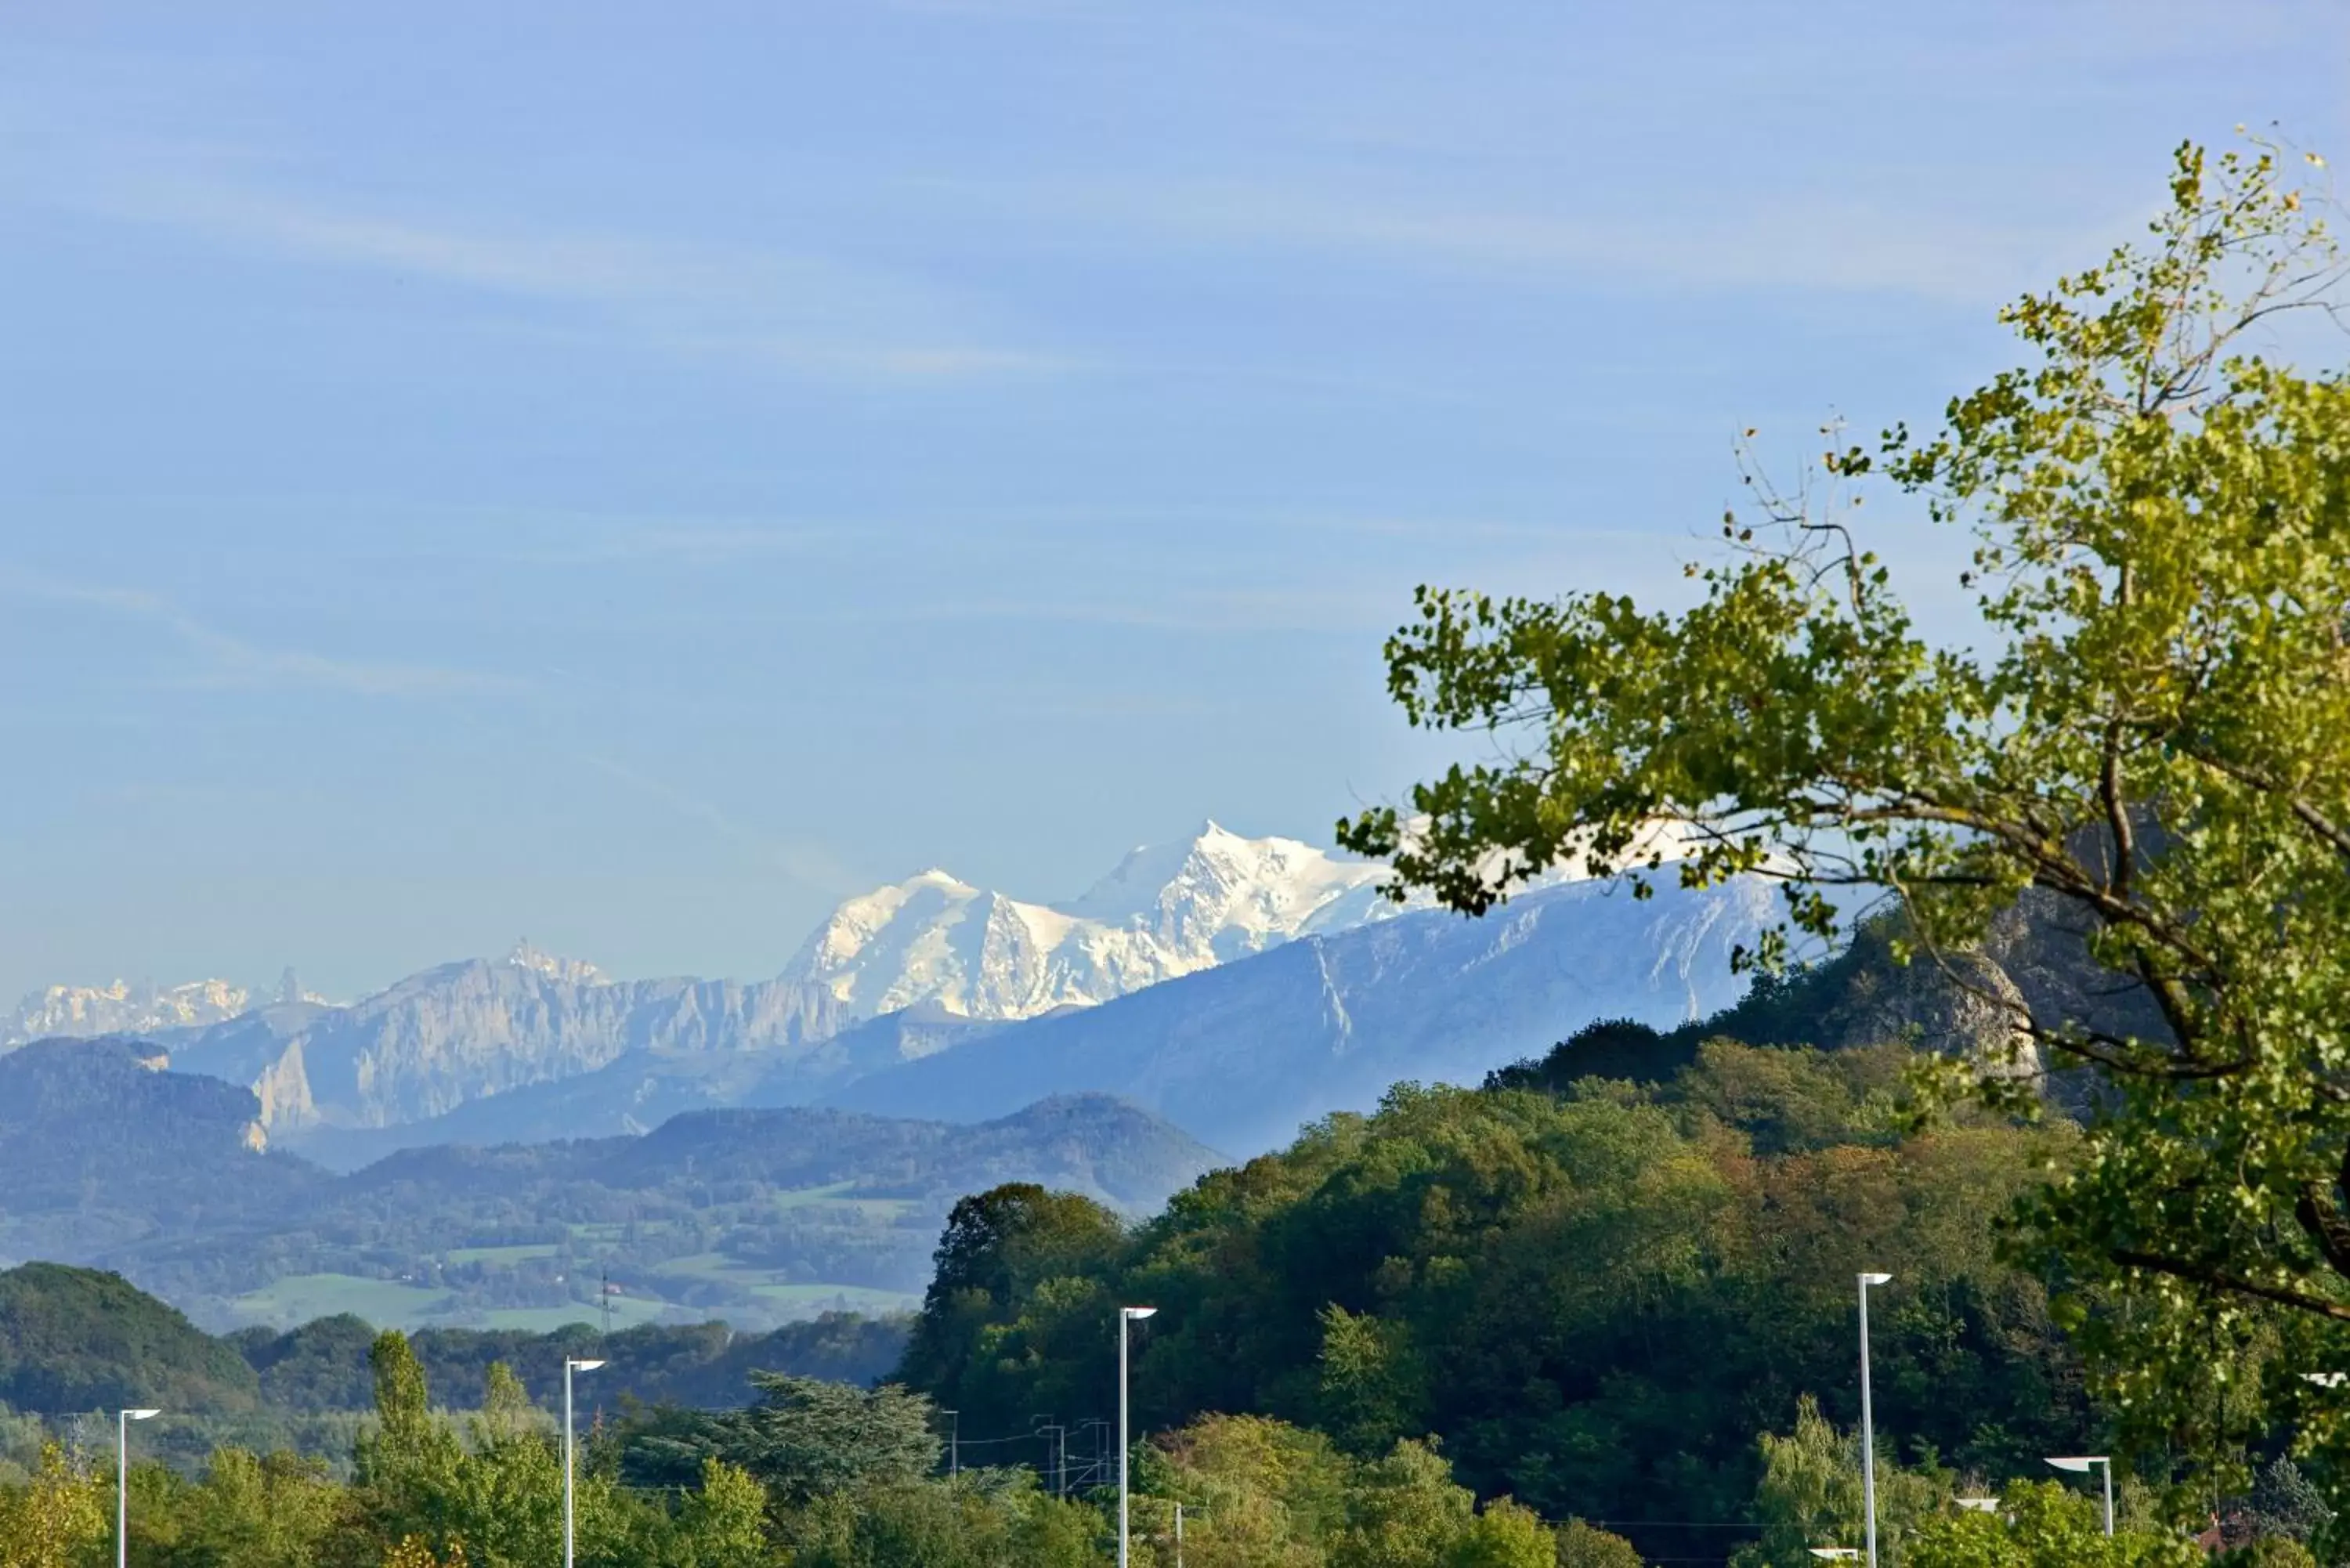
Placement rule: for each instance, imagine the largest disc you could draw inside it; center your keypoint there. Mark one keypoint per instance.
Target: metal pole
(1121, 1439)
(1179, 1535)
(954, 1444)
(123, 1489)
(2109, 1498)
(567, 1462)
(1867, 1430)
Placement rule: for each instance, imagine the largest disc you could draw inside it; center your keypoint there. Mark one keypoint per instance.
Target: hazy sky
(633, 475)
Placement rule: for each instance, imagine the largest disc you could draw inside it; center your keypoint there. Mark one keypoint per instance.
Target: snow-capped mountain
(1166, 910)
(934, 968)
(1243, 1055)
(121, 1007)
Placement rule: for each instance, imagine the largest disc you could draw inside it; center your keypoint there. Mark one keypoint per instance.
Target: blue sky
(632, 474)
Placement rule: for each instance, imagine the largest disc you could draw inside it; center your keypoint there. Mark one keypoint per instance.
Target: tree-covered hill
(1595, 1298)
(98, 1143)
(79, 1339)
(759, 1216)
(74, 1339)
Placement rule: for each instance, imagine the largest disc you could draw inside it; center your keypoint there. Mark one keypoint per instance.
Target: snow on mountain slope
(1166, 910)
(1242, 1055)
(122, 1008)
(920, 968)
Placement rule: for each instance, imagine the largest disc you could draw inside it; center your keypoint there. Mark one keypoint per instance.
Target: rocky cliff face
(468, 1030)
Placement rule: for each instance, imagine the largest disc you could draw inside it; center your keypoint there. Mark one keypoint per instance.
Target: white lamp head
(583, 1365)
(2326, 1379)
(1835, 1553)
(1978, 1504)
(2078, 1462)
(1877, 1279)
(1137, 1312)
(142, 1414)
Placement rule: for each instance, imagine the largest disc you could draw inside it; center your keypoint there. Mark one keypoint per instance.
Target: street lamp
(2079, 1464)
(569, 1366)
(1868, 1419)
(1834, 1553)
(122, 1419)
(1125, 1316)
(954, 1444)
(1179, 1535)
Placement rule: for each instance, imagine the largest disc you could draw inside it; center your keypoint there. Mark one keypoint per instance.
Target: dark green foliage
(76, 1339)
(1596, 1298)
(803, 1439)
(2282, 1503)
(999, 1247)
(1621, 1048)
(1831, 1003)
(322, 1365)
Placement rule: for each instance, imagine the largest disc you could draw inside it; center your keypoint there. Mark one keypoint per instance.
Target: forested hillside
(757, 1216)
(1594, 1299)
(77, 1343)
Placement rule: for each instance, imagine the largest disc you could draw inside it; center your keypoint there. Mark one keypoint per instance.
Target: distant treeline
(77, 1340)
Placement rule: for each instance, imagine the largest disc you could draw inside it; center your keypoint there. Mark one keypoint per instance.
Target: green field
(710, 1266)
(627, 1313)
(515, 1254)
(794, 1299)
(811, 1298)
(298, 1299)
(799, 1197)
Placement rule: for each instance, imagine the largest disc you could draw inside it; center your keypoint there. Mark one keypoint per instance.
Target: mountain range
(1237, 985)
(109, 1160)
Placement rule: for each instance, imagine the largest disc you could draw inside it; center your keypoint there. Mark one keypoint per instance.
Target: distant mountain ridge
(934, 952)
(108, 1159)
(899, 983)
(1240, 1056)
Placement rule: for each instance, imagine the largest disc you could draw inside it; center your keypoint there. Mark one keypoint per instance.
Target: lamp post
(569, 1366)
(1178, 1534)
(954, 1444)
(1868, 1419)
(1125, 1315)
(122, 1419)
(2079, 1464)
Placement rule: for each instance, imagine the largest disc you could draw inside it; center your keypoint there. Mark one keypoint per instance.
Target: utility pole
(1097, 1431)
(954, 1443)
(1056, 1451)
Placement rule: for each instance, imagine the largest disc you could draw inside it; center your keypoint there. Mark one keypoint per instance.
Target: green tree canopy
(2147, 737)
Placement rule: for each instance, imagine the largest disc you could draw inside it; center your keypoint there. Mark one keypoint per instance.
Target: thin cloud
(1796, 242)
(802, 313)
(225, 659)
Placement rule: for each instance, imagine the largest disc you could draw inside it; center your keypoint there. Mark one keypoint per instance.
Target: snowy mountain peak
(1165, 911)
(574, 972)
(121, 1007)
